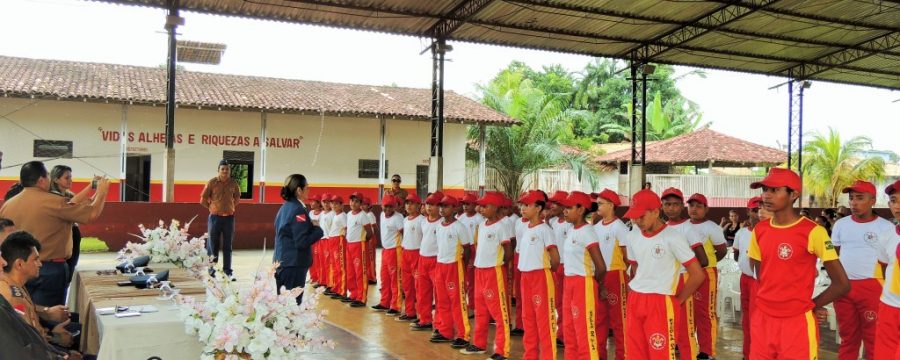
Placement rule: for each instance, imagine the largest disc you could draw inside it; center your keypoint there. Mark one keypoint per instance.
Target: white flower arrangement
(171, 245)
(254, 322)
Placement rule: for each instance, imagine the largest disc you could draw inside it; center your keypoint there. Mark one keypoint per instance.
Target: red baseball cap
(337, 199)
(754, 202)
(780, 177)
(435, 198)
(610, 196)
(698, 197)
(413, 198)
(449, 200)
(469, 198)
(366, 200)
(558, 197)
(492, 198)
(892, 188)
(315, 198)
(578, 198)
(532, 197)
(643, 201)
(671, 192)
(860, 186)
(326, 197)
(356, 195)
(388, 200)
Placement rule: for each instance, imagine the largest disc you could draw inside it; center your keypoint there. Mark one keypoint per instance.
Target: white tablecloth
(150, 334)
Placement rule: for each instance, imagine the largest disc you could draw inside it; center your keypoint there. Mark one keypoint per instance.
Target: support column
(382, 155)
(172, 22)
(636, 173)
(796, 90)
(123, 152)
(482, 158)
(438, 49)
(263, 154)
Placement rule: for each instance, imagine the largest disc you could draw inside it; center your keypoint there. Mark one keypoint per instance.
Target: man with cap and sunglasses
(391, 256)
(656, 251)
(221, 195)
(357, 235)
(748, 278)
(396, 191)
(706, 321)
(783, 253)
(426, 279)
(613, 236)
(492, 250)
(453, 243)
(857, 239)
(673, 206)
(887, 341)
(412, 240)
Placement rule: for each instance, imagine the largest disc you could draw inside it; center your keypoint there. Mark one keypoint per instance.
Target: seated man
(21, 255)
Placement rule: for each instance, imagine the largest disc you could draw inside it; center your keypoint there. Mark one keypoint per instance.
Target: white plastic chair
(729, 293)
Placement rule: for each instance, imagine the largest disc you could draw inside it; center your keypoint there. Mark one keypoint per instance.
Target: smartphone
(94, 184)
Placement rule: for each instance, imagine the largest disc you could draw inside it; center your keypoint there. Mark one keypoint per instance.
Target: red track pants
(315, 268)
(705, 318)
(582, 311)
(794, 337)
(856, 315)
(328, 276)
(684, 326)
(470, 280)
(338, 274)
(517, 292)
(887, 344)
(371, 243)
(491, 302)
(649, 331)
(538, 314)
(391, 295)
(450, 301)
(616, 284)
(408, 268)
(748, 292)
(357, 283)
(559, 281)
(425, 281)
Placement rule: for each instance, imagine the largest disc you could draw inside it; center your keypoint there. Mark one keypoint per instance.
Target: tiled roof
(70, 80)
(701, 147)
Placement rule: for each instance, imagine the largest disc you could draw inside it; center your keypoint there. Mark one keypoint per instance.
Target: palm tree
(829, 165)
(677, 117)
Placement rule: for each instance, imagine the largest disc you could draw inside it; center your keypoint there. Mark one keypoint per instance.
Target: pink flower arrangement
(172, 245)
(254, 320)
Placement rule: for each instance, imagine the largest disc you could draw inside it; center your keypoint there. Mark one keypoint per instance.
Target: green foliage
(93, 245)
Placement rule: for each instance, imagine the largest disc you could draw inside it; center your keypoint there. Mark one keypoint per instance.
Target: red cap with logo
(389, 200)
(780, 177)
(559, 196)
(754, 202)
(532, 197)
(698, 197)
(337, 199)
(492, 198)
(641, 202)
(449, 201)
(672, 192)
(413, 198)
(610, 196)
(435, 198)
(578, 198)
(356, 195)
(861, 186)
(469, 198)
(892, 188)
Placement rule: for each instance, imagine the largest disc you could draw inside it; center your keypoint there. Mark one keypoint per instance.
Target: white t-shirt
(533, 246)
(742, 245)
(471, 222)
(491, 238)
(613, 238)
(371, 217)
(711, 235)
(685, 228)
(520, 225)
(338, 224)
(390, 230)
(889, 254)
(356, 226)
(578, 259)
(450, 240)
(561, 229)
(859, 242)
(429, 246)
(315, 216)
(412, 232)
(658, 257)
(325, 221)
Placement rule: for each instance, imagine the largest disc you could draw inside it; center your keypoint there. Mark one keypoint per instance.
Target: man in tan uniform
(221, 195)
(49, 219)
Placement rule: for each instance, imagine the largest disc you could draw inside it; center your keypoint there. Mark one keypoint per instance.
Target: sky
(737, 104)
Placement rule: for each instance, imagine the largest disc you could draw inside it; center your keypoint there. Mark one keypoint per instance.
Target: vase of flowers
(171, 244)
(254, 321)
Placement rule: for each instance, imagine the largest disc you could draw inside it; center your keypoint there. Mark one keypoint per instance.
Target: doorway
(137, 178)
(422, 181)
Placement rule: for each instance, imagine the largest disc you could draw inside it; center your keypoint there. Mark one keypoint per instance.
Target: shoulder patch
(829, 245)
(16, 291)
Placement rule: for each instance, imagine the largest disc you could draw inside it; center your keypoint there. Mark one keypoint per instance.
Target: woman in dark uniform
(295, 233)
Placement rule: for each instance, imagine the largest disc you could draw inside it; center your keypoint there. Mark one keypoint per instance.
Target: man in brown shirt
(221, 195)
(395, 190)
(49, 219)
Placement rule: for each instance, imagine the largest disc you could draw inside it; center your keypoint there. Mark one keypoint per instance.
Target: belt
(57, 260)
(222, 215)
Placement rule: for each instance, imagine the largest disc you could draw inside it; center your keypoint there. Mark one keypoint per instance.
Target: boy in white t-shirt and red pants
(391, 257)
(450, 294)
(887, 342)
(358, 231)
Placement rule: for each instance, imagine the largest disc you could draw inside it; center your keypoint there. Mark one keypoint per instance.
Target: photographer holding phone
(61, 184)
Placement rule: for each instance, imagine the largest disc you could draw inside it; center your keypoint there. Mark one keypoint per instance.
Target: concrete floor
(365, 334)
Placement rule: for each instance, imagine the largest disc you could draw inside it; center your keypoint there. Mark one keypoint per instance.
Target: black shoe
(516, 332)
(472, 349)
(703, 356)
(492, 322)
(560, 343)
(372, 282)
(497, 357)
(336, 296)
(405, 318)
(420, 327)
(379, 307)
(357, 304)
(345, 299)
(438, 338)
(328, 293)
(392, 312)
(459, 344)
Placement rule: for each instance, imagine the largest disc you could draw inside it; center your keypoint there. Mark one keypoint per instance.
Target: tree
(830, 165)
(678, 117)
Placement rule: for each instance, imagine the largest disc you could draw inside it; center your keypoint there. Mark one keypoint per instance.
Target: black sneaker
(560, 343)
(379, 307)
(345, 299)
(392, 312)
(373, 282)
(336, 296)
(497, 357)
(328, 292)
(492, 322)
(438, 338)
(459, 344)
(472, 349)
(703, 356)
(516, 332)
(357, 304)
(404, 317)
(420, 327)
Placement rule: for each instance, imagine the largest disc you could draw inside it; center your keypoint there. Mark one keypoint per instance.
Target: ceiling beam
(683, 34)
(843, 57)
(802, 15)
(457, 17)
